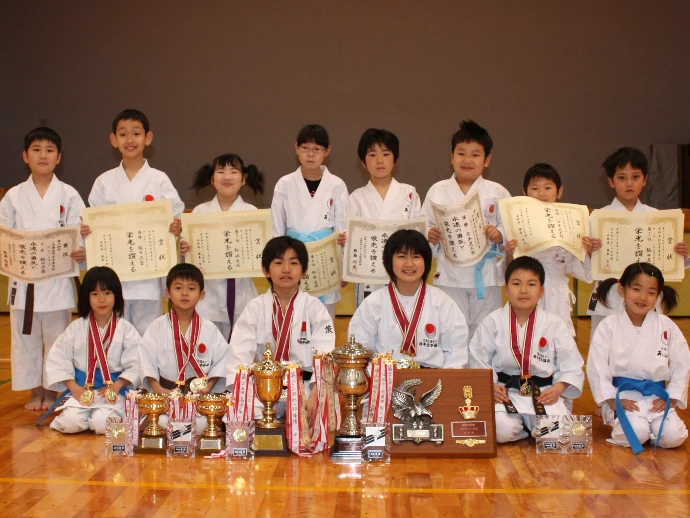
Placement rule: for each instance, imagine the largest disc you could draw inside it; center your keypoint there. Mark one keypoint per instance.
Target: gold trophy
(270, 434)
(153, 405)
(212, 407)
(352, 381)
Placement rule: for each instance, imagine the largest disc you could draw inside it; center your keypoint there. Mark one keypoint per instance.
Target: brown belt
(169, 385)
(29, 305)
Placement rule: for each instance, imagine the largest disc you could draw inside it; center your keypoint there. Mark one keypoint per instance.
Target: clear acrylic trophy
(116, 437)
(181, 436)
(239, 439)
(548, 433)
(576, 434)
(376, 442)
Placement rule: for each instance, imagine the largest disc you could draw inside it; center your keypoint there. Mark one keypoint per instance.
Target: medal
(522, 357)
(198, 384)
(110, 394)
(281, 327)
(239, 435)
(578, 429)
(98, 343)
(408, 327)
(185, 351)
(176, 392)
(87, 396)
(526, 388)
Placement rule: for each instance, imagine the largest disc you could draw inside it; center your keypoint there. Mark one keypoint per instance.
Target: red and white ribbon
(98, 343)
(408, 327)
(243, 394)
(381, 389)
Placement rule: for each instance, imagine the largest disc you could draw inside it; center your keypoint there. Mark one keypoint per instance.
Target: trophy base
(152, 444)
(270, 442)
(211, 444)
(428, 433)
(347, 450)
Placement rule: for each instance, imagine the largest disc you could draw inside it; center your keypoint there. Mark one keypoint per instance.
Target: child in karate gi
(412, 319)
(535, 360)
(39, 312)
(309, 203)
(226, 298)
(96, 358)
(639, 364)
(135, 181)
(383, 197)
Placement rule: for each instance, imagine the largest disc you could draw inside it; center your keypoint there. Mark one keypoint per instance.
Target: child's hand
(84, 230)
(659, 405)
(176, 227)
(628, 405)
(184, 247)
(681, 249)
(343, 284)
(510, 248)
(310, 406)
(492, 234)
(77, 391)
(78, 255)
(434, 235)
(550, 395)
(342, 238)
(591, 244)
(501, 394)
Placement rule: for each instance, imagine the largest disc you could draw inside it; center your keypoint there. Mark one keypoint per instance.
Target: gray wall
(560, 82)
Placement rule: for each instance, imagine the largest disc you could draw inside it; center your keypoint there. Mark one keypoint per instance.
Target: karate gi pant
(474, 309)
(30, 351)
(646, 424)
(511, 427)
(80, 419)
(140, 313)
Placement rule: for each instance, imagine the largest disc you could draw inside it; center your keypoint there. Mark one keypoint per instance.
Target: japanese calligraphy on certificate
(132, 239)
(634, 237)
(38, 255)
(364, 248)
(461, 226)
(537, 225)
(325, 266)
(227, 244)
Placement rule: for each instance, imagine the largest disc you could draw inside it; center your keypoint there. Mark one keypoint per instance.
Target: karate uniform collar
(478, 183)
(215, 204)
(144, 168)
(617, 205)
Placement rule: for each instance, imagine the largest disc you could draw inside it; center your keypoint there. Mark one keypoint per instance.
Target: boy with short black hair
(535, 360)
(475, 289)
(39, 312)
(309, 203)
(135, 181)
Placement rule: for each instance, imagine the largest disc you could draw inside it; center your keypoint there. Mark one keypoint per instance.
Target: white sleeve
(148, 354)
(220, 356)
(364, 325)
(322, 328)
(482, 346)
(130, 356)
(7, 212)
(278, 211)
(598, 369)
(679, 360)
(499, 220)
(59, 365)
(96, 196)
(168, 192)
(568, 362)
(431, 222)
(581, 270)
(416, 207)
(352, 208)
(340, 208)
(243, 342)
(453, 336)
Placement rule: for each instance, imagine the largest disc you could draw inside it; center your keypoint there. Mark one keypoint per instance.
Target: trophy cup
(351, 382)
(153, 405)
(269, 439)
(212, 407)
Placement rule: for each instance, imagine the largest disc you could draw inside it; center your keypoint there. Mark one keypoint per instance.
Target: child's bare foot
(48, 399)
(36, 400)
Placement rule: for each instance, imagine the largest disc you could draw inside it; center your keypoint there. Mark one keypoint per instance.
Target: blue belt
(646, 388)
(308, 237)
(478, 277)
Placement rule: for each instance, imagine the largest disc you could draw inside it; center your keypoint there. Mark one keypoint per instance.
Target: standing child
(543, 183)
(225, 299)
(383, 197)
(40, 312)
(475, 289)
(639, 364)
(309, 203)
(535, 360)
(134, 181)
(98, 352)
(626, 170)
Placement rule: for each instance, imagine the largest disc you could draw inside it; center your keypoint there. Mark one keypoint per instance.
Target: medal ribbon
(282, 327)
(243, 395)
(522, 358)
(184, 352)
(293, 409)
(408, 328)
(97, 347)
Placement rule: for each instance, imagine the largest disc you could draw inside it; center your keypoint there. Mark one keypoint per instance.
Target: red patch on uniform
(491, 209)
(202, 348)
(430, 329)
(330, 202)
(437, 275)
(543, 342)
(148, 197)
(62, 209)
(665, 335)
(409, 196)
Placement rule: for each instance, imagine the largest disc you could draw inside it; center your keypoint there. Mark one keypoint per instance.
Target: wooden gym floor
(44, 473)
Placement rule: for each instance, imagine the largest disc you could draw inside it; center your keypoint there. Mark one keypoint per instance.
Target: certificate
(132, 238)
(227, 245)
(634, 237)
(537, 225)
(461, 225)
(38, 255)
(364, 247)
(325, 266)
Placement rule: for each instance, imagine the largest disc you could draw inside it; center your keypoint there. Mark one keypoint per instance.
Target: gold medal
(87, 397)
(110, 394)
(578, 429)
(526, 389)
(118, 430)
(197, 385)
(240, 435)
(176, 392)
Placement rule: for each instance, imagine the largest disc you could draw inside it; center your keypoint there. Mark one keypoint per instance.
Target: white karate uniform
(460, 283)
(441, 332)
(23, 208)
(293, 208)
(142, 298)
(655, 351)
(401, 202)
(69, 352)
(554, 353)
(215, 304)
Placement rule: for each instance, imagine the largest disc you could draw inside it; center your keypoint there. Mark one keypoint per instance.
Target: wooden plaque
(445, 412)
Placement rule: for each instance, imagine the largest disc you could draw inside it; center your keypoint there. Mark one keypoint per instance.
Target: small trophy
(576, 434)
(153, 405)
(181, 430)
(239, 438)
(212, 407)
(548, 433)
(115, 436)
(376, 442)
(269, 439)
(415, 415)
(351, 382)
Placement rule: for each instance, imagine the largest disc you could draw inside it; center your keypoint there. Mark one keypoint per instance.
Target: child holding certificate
(309, 203)
(225, 299)
(96, 358)
(383, 197)
(475, 289)
(418, 322)
(639, 364)
(135, 181)
(535, 360)
(543, 183)
(39, 312)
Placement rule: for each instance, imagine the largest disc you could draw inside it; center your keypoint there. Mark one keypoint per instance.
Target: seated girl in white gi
(413, 319)
(535, 360)
(638, 363)
(96, 358)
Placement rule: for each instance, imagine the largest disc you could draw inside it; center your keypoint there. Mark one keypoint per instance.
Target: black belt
(533, 383)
